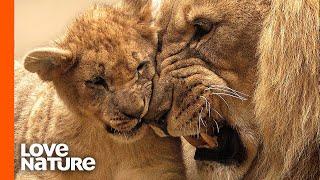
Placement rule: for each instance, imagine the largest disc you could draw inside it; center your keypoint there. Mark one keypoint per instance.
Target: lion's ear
(48, 62)
(140, 8)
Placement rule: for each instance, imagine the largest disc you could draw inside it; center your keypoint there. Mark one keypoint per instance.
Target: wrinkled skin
(206, 78)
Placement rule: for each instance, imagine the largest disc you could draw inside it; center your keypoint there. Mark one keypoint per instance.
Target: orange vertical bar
(6, 87)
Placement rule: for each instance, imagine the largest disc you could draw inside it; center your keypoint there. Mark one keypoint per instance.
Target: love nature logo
(44, 157)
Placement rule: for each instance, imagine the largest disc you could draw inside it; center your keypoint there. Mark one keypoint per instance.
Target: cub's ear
(140, 8)
(48, 62)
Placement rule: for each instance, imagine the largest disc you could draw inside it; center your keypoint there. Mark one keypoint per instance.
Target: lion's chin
(223, 146)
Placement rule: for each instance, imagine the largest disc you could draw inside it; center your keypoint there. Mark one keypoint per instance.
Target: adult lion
(239, 80)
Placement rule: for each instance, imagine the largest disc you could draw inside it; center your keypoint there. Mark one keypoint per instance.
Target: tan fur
(268, 50)
(288, 87)
(71, 108)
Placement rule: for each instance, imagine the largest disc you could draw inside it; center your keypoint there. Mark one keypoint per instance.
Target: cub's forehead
(107, 37)
(116, 67)
(110, 61)
(106, 28)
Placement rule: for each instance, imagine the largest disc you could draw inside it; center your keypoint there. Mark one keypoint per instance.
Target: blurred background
(37, 22)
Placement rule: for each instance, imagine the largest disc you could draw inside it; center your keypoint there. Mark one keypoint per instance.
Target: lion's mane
(287, 95)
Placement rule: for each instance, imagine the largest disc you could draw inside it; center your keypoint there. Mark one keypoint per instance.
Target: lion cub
(98, 83)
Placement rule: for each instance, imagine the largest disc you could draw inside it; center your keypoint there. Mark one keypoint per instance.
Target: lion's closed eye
(141, 67)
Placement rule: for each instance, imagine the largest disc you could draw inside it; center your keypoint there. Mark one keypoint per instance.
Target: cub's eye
(97, 81)
(202, 28)
(142, 67)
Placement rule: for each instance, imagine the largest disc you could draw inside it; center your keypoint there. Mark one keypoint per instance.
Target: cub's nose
(133, 111)
(133, 115)
(130, 106)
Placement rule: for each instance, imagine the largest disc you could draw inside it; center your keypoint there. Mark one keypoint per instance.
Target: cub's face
(206, 79)
(103, 70)
(114, 88)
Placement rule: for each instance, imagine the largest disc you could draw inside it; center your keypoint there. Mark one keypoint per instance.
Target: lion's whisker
(209, 110)
(217, 112)
(218, 130)
(226, 87)
(203, 122)
(227, 91)
(207, 105)
(223, 100)
(219, 97)
(199, 122)
(198, 129)
(231, 95)
(223, 90)
(206, 101)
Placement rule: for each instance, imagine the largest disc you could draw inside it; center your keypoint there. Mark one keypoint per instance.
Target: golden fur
(268, 53)
(98, 79)
(288, 88)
